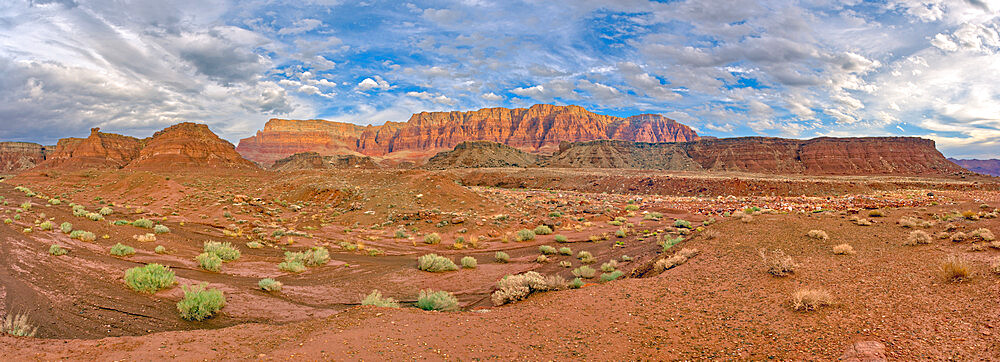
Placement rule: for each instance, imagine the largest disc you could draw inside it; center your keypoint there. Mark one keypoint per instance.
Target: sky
(797, 69)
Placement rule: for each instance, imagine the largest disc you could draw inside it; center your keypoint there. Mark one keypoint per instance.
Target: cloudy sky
(799, 69)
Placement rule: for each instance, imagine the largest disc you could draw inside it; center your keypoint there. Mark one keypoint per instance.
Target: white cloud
(434, 97)
(493, 97)
(301, 26)
(377, 83)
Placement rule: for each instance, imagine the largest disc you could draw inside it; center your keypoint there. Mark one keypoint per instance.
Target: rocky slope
(819, 156)
(622, 154)
(985, 167)
(477, 154)
(185, 145)
(19, 156)
(537, 129)
(313, 161)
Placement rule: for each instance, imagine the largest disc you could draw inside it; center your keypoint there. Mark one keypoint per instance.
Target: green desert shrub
(543, 230)
(143, 223)
(66, 227)
(440, 301)
(93, 216)
(546, 249)
(586, 257)
(54, 202)
(435, 263)
(161, 229)
(121, 222)
(631, 207)
(25, 206)
(469, 262)
(88, 236)
(105, 211)
(561, 239)
(576, 283)
(209, 261)
(149, 278)
(670, 242)
(606, 277)
(224, 250)
(200, 303)
(609, 266)
(315, 256)
(524, 235)
(565, 251)
(122, 250)
(680, 223)
(432, 238)
(269, 285)
(18, 326)
(584, 272)
(501, 257)
(292, 266)
(57, 250)
(255, 245)
(376, 299)
(160, 249)
(46, 226)
(400, 234)
(654, 216)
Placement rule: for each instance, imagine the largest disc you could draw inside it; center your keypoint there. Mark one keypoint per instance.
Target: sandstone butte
(185, 145)
(19, 156)
(538, 129)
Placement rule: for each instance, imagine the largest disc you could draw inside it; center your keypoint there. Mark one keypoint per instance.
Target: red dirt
(720, 304)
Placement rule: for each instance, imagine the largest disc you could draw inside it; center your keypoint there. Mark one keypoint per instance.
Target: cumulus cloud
(373, 83)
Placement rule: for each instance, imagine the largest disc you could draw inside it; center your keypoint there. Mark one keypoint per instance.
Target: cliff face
(537, 129)
(19, 156)
(186, 145)
(281, 138)
(985, 167)
(819, 156)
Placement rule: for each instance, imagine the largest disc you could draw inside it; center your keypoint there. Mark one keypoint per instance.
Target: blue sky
(800, 69)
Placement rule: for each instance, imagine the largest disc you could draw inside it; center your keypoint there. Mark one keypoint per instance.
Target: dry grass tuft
(777, 262)
(810, 299)
(843, 249)
(678, 258)
(982, 234)
(956, 269)
(918, 237)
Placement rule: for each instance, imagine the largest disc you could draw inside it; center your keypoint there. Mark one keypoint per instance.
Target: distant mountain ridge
(537, 129)
(986, 167)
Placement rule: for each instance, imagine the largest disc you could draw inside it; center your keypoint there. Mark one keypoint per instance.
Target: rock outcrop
(185, 145)
(315, 161)
(19, 156)
(818, 156)
(538, 129)
(479, 154)
(622, 154)
(99, 150)
(986, 167)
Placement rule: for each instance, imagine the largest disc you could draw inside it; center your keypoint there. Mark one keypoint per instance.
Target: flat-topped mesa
(19, 156)
(188, 145)
(818, 156)
(99, 150)
(538, 129)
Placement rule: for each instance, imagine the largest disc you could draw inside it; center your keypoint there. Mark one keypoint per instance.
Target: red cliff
(19, 156)
(99, 150)
(188, 145)
(537, 129)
